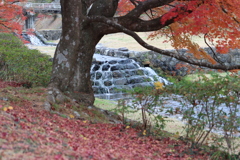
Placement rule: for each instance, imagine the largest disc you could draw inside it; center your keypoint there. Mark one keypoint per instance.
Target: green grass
(173, 125)
(199, 76)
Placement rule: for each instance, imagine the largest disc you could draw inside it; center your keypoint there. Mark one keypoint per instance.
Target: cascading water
(33, 39)
(110, 75)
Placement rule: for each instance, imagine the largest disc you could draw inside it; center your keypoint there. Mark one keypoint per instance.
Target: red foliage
(219, 19)
(28, 132)
(11, 17)
(30, 31)
(9, 84)
(216, 20)
(124, 6)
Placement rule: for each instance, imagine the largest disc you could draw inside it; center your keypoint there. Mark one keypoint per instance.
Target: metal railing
(41, 6)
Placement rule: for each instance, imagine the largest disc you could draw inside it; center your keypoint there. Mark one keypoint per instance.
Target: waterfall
(109, 75)
(152, 73)
(35, 40)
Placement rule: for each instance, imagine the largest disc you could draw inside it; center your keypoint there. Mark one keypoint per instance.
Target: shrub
(211, 104)
(145, 101)
(20, 64)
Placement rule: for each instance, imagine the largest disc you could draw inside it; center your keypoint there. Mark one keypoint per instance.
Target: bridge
(33, 8)
(41, 7)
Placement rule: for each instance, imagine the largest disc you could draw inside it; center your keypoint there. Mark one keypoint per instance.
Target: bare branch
(133, 2)
(7, 28)
(155, 49)
(214, 53)
(146, 5)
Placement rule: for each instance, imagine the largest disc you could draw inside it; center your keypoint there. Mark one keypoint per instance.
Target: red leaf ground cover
(28, 132)
(9, 84)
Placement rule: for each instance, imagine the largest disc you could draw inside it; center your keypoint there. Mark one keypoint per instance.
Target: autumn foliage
(216, 21)
(27, 131)
(11, 17)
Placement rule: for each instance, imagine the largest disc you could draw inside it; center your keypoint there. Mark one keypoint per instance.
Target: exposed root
(84, 111)
(54, 95)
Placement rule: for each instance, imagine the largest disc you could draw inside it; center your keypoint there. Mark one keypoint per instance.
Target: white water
(152, 73)
(111, 73)
(35, 40)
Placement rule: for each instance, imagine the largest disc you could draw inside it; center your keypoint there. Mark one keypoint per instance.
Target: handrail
(41, 6)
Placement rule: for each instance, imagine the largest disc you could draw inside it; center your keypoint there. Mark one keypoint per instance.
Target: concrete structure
(43, 7)
(30, 10)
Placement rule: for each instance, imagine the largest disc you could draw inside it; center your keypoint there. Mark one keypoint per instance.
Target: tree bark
(73, 57)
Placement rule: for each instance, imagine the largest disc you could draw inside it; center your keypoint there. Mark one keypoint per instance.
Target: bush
(20, 64)
(211, 104)
(145, 101)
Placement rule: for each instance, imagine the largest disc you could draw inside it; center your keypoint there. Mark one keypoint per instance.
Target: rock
(125, 61)
(4, 98)
(98, 75)
(132, 55)
(51, 34)
(117, 74)
(77, 115)
(108, 83)
(50, 92)
(60, 98)
(51, 99)
(90, 107)
(123, 49)
(105, 67)
(47, 106)
(147, 62)
(120, 82)
(96, 67)
(169, 64)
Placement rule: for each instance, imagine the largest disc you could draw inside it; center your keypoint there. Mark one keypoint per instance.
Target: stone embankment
(51, 34)
(168, 64)
(155, 60)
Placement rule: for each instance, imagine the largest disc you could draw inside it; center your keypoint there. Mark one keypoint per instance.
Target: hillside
(28, 132)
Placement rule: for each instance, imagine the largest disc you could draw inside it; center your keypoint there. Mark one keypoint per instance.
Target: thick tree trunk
(73, 57)
(71, 67)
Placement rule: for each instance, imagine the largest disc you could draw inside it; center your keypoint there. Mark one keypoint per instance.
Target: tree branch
(14, 2)
(146, 5)
(214, 53)
(132, 22)
(155, 49)
(7, 28)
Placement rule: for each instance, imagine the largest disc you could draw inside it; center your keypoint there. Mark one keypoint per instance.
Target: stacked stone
(167, 64)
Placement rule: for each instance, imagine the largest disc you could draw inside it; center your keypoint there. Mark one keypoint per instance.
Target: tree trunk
(73, 57)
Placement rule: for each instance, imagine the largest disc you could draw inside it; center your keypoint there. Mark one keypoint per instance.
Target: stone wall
(48, 22)
(167, 64)
(51, 34)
